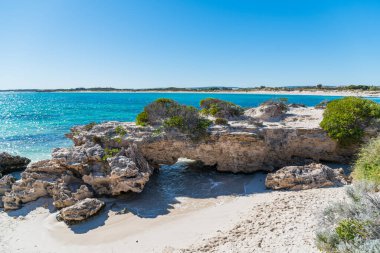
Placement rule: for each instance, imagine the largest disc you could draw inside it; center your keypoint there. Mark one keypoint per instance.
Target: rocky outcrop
(115, 157)
(6, 183)
(10, 163)
(80, 211)
(306, 177)
(269, 111)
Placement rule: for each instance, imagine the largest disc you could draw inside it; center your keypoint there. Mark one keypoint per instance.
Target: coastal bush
(367, 166)
(89, 126)
(173, 116)
(345, 119)
(220, 108)
(352, 226)
(110, 152)
(142, 119)
(220, 121)
(280, 103)
(120, 131)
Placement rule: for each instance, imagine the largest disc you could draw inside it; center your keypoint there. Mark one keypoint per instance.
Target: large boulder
(10, 163)
(80, 211)
(310, 176)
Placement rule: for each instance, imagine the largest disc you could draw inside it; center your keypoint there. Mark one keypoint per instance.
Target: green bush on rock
(367, 166)
(220, 108)
(220, 121)
(345, 119)
(173, 116)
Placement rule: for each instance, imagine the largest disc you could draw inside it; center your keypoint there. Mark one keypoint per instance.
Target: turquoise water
(32, 124)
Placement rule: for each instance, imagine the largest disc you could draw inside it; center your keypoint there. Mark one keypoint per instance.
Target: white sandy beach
(260, 222)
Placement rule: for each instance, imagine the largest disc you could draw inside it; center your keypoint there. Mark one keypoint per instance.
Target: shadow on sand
(162, 191)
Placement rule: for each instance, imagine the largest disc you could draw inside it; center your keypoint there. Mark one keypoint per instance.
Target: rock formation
(306, 177)
(80, 211)
(5, 186)
(107, 161)
(10, 163)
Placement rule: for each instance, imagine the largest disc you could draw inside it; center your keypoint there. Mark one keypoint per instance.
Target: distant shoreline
(358, 93)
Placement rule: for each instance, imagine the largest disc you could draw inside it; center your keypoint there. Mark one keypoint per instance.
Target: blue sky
(160, 43)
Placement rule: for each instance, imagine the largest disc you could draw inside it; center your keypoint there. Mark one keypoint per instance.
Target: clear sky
(183, 43)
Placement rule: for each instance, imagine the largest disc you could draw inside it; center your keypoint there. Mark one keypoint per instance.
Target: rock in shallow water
(80, 211)
(310, 176)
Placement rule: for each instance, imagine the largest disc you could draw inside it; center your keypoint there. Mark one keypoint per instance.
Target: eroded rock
(310, 176)
(10, 163)
(80, 211)
(6, 183)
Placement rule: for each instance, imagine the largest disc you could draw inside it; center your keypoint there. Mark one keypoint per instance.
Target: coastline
(372, 94)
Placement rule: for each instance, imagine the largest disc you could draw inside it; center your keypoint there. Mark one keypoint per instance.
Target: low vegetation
(345, 119)
(352, 226)
(220, 108)
(367, 166)
(89, 126)
(220, 121)
(110, 152)
(173, 116)
(281, 104)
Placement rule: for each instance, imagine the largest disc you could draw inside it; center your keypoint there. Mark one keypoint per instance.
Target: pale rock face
(5, 186)
(80, 211)
(306, 177)
(267, 112)
(64, 196)
(10, 163)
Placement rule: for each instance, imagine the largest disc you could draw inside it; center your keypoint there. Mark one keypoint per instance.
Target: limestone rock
(80, 211)
(270, 111)
(5, 186)
(64, 195)
(306, 177)
(10, 163)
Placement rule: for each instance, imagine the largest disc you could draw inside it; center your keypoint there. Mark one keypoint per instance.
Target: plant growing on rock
(367, 166)
(173, 116)
(352, 226)
(119, 130)
(89, 126)
(220, 121)
(220, 108)
(345, 119)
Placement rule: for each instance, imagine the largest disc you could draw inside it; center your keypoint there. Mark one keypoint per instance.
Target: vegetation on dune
(220, 108)
(345, 119)
(173, 116)
(352, 226)
(280, 103)
(220, 121)
(367, 166)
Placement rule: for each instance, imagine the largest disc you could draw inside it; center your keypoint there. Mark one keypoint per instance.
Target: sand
(263, 221)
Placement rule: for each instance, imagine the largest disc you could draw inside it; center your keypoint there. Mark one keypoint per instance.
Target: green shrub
(349, 229)
(220, 121)
(281, 104)
(351, 225)
(322, 104)
(171, 115)
(110, 152)
(142, 119)
(120, 131)
(220, 108)
(345, 119)
(89, 126)
(367, 166)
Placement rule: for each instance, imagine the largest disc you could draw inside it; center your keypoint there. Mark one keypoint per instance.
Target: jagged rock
(80, 211)
(127, 171)
(10, 163)
(5, 186)
(36, 181)
(270, 111)
(64, 195)
(306, 177)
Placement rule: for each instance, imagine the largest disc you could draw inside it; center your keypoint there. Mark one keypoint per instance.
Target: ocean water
(32, 124)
